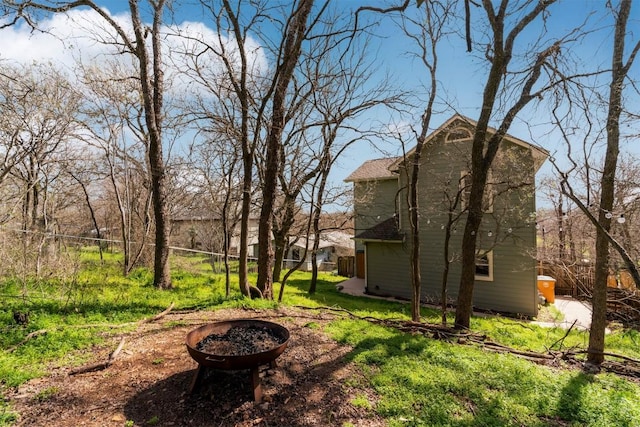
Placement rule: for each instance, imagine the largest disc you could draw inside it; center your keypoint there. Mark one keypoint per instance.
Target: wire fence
(216, 259)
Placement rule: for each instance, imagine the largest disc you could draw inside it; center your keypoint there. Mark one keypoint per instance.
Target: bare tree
(215, 164)
(82, 177)
(113, 122)
(452, 204)
(288, 56)
(18, 104)
(432, 31)
(602, 218)
(38, 126)
(500, 54)
(619, 72)
(242, 89)
(150, 68)
(327, 103)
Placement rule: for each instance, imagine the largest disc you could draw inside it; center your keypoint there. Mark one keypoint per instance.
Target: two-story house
(505, 263)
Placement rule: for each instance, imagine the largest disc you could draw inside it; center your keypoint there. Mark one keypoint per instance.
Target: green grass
(417, 381)
(422, 382)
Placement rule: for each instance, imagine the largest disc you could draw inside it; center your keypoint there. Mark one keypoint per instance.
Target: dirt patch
(148, 383)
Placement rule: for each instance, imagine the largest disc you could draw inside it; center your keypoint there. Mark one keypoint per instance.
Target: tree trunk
(92, 212)
(280, 244)
(243, 260)
(313, 285)
(281, 233)
(433, 31)
(152, 87)
(484, 150)
(290, 54)
(415, 233)
(447, 265)
(225, 245)
(599, 297)
(479, 172)
(464, 307)
(248, 148)
(317, 212)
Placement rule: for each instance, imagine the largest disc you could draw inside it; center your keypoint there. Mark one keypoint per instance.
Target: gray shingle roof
(373, 169)
(386, 230)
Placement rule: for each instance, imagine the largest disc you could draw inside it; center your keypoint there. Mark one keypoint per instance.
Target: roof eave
(382, 178)
(369, 239)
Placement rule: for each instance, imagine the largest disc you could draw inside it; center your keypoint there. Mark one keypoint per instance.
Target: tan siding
(513, 288)
(388, 269)
(374, 202)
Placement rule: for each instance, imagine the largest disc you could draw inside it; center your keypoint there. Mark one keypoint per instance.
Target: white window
(484, 266)
(459, 134)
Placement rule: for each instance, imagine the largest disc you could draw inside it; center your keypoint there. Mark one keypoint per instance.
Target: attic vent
(459, 134)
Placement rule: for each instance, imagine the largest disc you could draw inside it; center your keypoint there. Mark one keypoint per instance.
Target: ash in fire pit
(235, 345)
(241, 341)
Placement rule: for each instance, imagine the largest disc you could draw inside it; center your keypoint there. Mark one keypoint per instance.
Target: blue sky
(462, 74)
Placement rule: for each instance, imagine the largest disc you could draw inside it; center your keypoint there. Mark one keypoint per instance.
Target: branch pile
(624, 306)
(614, 363)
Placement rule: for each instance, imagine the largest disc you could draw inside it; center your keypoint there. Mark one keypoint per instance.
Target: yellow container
(547, 287)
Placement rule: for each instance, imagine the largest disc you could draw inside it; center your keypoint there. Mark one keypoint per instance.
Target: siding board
(388, 270)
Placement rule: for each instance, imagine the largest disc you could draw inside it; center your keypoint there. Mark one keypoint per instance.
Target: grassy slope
(418, 381)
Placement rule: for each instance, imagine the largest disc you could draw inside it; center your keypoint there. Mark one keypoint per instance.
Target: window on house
(459, 134)
(484, 266)
(465, 192)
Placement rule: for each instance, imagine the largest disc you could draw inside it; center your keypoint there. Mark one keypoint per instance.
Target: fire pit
(235, 345)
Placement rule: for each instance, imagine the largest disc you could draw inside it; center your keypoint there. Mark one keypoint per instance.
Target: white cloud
(61, 39)
(83, 35)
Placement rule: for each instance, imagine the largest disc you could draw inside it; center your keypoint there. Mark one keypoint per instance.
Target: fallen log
(629, 367)
(157, 316)
(100, 365)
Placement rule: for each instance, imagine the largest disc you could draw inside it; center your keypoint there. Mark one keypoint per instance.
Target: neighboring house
(204, 232)
(332, 245)
(505, 266)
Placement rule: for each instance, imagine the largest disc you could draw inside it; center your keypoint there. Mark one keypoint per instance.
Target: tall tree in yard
(603, 218)
(148, 58)
(287, 60)
(427, 40)
(339, 101)
(619, 71)
(500, 52)
(430, 31)
(333, 87)
(248, 34)
(152, 87)
(112, 120)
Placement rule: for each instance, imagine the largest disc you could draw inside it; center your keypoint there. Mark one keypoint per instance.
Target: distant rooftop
(373, 169)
